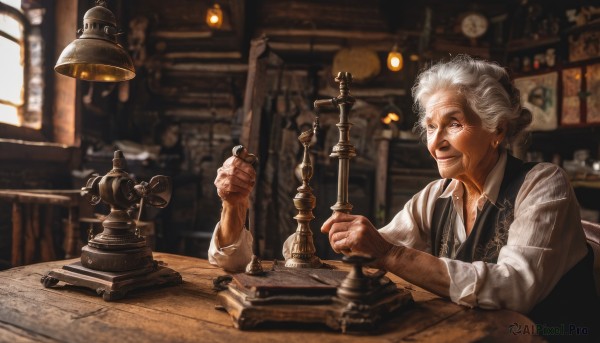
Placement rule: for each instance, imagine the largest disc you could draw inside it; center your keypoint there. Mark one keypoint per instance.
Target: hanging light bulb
(214, 16)
(395, 62)
(391, 113)
(390, 117)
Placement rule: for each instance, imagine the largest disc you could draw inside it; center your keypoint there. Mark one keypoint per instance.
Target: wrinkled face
(462, 148)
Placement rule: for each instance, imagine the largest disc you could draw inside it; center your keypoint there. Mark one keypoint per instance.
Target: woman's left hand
(353, 234)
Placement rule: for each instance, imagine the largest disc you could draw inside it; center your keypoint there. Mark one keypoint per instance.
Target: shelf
(530, 44)
(594, 24)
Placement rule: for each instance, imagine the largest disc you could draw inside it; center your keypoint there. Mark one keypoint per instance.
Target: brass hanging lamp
(214, 16)
(96, 55)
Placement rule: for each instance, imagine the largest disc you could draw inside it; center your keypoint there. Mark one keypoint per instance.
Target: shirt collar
(491, 188)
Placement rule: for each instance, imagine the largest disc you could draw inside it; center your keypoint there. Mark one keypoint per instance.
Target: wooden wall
(192, 80)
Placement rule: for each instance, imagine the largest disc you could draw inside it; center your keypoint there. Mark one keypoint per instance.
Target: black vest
(574, 291)
(490, 230)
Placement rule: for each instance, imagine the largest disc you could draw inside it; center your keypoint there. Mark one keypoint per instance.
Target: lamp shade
(96, 55)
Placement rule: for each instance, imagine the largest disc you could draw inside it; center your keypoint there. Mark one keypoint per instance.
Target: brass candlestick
(303, 248)
(305, 293)
(343, 150)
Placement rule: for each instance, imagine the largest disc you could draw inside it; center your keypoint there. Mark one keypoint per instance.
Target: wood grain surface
(189, 313)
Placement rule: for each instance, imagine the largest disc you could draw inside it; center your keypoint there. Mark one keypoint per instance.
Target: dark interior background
(183, 112)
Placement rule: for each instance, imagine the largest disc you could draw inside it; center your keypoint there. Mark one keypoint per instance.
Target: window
(35, 104)
(12, 68)
(21, 70)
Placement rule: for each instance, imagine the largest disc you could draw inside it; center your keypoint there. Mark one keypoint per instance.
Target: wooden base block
(280, 297)
(112, 285)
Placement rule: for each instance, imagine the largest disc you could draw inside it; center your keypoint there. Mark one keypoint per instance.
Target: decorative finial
(118, 160)
(254, 267)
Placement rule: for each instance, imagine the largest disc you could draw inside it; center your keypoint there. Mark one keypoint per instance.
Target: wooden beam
(30, 237)
(344, 34)
(207, 67)
(201, 114)
(204, 55)
(12, 149)
(305, 47)
(47, 251)
(327, 33)
(17, 234)
(204, 102)
(182, 34)
(66, 122)
(24, 133)
(190, 96)
(382, 46)
(37, 198)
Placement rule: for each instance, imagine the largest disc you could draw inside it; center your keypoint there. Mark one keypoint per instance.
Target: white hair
(486, 87)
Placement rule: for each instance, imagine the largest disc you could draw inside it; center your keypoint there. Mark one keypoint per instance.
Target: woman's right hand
(353, 234)
(235, 180)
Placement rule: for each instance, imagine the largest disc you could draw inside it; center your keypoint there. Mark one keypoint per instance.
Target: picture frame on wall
(592, 79)
(584, 46)
(539, 95)
(571, 99)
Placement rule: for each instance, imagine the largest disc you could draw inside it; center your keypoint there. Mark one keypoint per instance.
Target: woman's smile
(462, 148)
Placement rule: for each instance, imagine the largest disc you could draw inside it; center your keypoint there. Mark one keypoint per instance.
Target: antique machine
(118, 260)
(304, 289)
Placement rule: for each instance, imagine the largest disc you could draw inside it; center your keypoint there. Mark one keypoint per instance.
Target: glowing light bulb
(390, 117)
(214, 19)
(395, 62)
(214, 16)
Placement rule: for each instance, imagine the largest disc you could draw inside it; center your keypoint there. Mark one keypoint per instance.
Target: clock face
(474, 25)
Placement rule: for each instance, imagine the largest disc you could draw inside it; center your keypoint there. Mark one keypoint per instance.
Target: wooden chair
(592, 233)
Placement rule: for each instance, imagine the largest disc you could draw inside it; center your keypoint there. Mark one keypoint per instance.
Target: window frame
(8, 130)
(60, 117)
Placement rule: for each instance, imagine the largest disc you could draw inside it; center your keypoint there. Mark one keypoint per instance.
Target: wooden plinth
(293, 295)
(112, 285)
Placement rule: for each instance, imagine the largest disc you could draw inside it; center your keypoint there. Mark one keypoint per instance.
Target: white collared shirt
(545, 239)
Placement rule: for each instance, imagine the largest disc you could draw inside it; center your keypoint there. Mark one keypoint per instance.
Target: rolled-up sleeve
(411, 226)
(234, 257)
(545, 240)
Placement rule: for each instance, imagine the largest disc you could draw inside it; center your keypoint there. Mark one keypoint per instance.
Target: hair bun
(518, 124)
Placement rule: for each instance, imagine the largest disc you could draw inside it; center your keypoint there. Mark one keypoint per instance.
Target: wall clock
(473, 25)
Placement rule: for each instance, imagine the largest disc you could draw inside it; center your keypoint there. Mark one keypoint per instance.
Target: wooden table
(187, 313)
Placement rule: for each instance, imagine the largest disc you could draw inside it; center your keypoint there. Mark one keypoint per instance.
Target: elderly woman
(493, 233)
